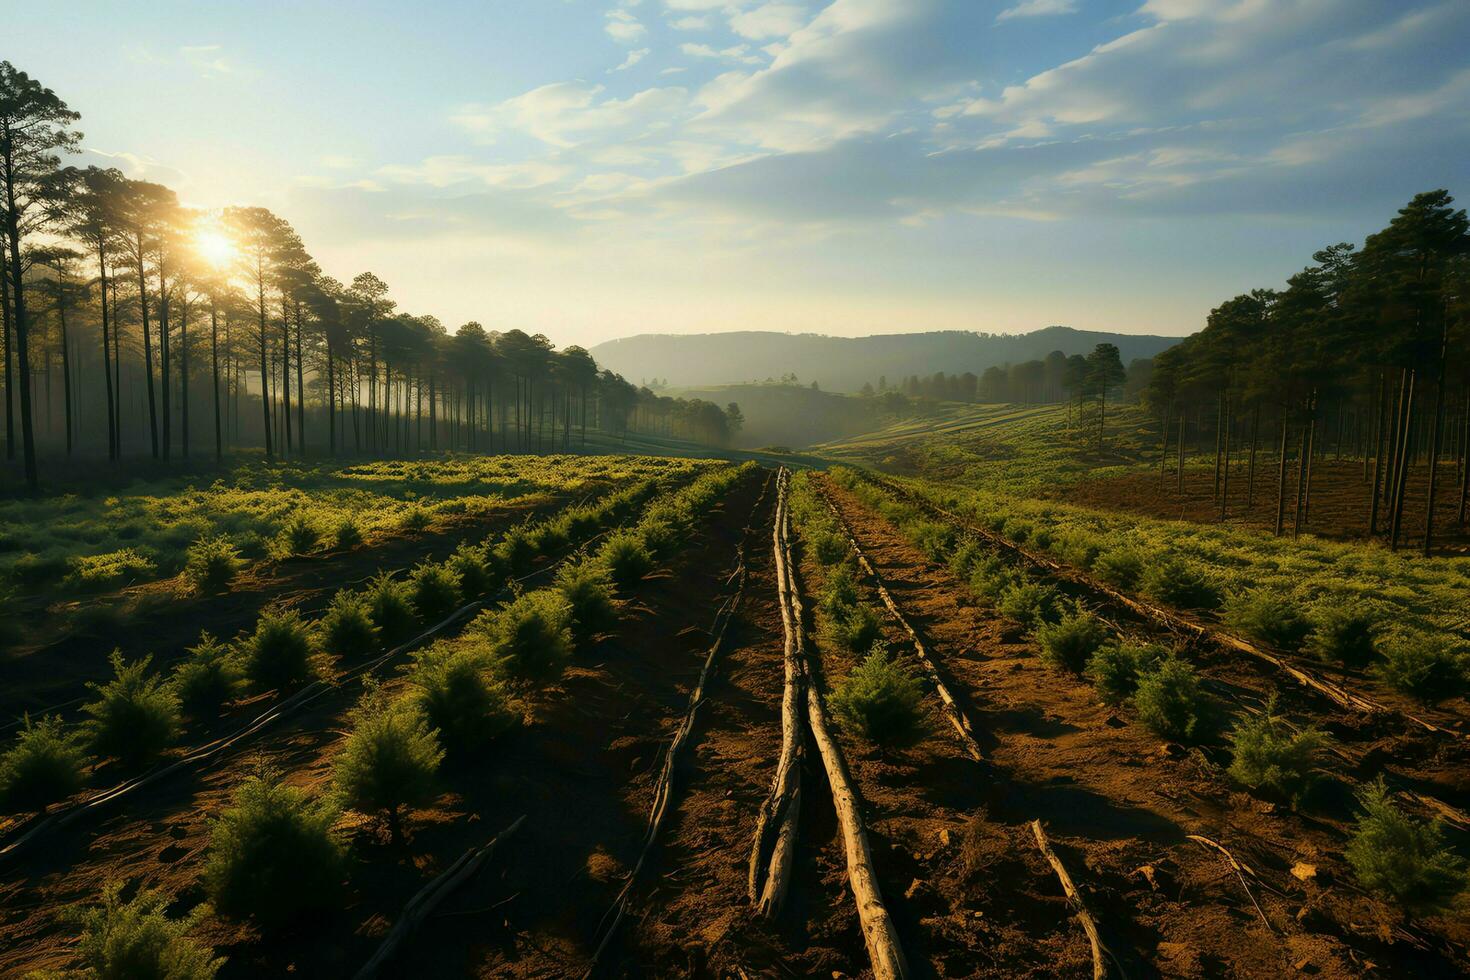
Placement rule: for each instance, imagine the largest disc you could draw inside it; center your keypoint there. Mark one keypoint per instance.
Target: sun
(214, 248)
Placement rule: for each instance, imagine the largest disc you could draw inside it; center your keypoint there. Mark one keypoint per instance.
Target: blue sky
(595, 169)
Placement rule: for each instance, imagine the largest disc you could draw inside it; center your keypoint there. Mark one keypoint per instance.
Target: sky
(599, 168)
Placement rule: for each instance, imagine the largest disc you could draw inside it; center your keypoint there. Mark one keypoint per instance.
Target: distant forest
(135, 326)
(1362, 356)
(1055, 378)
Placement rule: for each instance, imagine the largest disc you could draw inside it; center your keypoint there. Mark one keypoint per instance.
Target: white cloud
(768, 20)
(450, 169)
(634, 56)
(623, 26)
(564, 113)
(1037, 8)
(737, 52)
(691, 23)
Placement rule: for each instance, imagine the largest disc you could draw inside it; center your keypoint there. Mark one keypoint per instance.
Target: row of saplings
(1392, 854)
(276, 854)
(1346, 634)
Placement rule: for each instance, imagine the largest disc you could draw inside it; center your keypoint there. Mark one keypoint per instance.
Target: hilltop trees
(1362, 355)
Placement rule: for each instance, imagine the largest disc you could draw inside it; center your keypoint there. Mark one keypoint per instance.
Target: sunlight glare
(214, 248)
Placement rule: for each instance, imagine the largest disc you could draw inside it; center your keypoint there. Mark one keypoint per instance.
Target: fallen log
(428, 898)
(1100, 953)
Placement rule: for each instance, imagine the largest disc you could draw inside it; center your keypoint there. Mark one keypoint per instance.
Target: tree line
(1362, 356)
(135, 325)
(1041, 381)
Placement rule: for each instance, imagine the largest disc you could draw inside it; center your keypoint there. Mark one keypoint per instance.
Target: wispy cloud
(634, 56)
(1037, 8)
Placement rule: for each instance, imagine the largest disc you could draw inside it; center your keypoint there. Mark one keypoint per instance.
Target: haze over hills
(846, 363)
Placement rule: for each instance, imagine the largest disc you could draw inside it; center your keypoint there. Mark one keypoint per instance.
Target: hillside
(845, 363)
(790, 415)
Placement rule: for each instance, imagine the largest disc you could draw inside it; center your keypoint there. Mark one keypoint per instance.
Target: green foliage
(208, 677)
(472, 563)
(457, 692)
(435, 591)
(992, 577)
(587, 588)
(1115, 667)
(273, 854)
(828, 546)
(516, 550)
(298, 537)
(1169, 700)
(348, 629)
(1119, 567)
(880, 699)
(346, 534)
(45, 764)
(839, 592)
(1031, 604)
(529, 638)
(1426, 667)
(112, 568)
(390, 760)
(1178, 582)
(1400, 858)
(627, 558)
(278, 654)
(137, 940)
(391, 608)
(1071, 641)
(1343, 635)
(1270, 756)
(415, 520)
(212, 563)
(853, 628)
(1269, 617)
(135, 716)
(931, 537)
(965, 557)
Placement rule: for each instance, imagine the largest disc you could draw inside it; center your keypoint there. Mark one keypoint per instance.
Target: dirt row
(1120, 806)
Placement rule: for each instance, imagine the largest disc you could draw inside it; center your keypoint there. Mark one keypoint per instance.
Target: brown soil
(1339, 504)
(1119, 805)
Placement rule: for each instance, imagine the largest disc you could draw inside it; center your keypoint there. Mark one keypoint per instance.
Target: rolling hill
(845, 363)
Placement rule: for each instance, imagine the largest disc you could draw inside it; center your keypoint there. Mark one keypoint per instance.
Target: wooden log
(774, 847)
(948, 703)
(1074, 898)
(428, 898)
(884, 952)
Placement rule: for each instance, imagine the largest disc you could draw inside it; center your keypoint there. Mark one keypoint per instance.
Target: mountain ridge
(847, 363)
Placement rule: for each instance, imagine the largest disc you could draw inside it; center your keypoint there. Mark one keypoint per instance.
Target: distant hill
(789, 415)
(845, 363)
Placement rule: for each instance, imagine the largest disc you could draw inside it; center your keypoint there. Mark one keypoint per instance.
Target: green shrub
(1077, 548)
(278, 654)
(627, 558)
(460, 697)
(212, 563)
(390, 760)
(839, 593)
(298, 537)
(1169, 700)
(472, 564)
(1426, 667)
(435, 591)
(98, 571)
(391, 608)
(549, 536)
(347, 628)
(1029, 603)
(828, 547)
(991, 577)
(1071, 641)
(1268, 617)
(530, 638)
(880, 699)
(1345, 636)
(1270, 756)
(1115, 667)
(415, 520)
(516, 550)
(966, 555)
(135, 716)
(33, 571)
(208, 677)
(346, 534)
(45, 764)
(587, 588)
(854, 629)
(1119, 567)
(1176, 582)
(137, 940)
(1400, 858)
(273, 854)
(659, 537)
(1016, 530)
(932, 538)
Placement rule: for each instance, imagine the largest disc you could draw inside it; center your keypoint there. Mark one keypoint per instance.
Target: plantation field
(664, 716)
